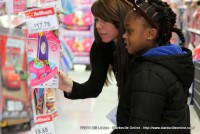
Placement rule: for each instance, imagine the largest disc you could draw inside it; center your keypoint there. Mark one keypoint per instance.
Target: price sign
(44, 124)
(40, 20)
(12, 42)
(52, 3)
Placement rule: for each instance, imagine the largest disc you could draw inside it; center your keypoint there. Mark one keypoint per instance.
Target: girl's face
(137, 34)
(106, 30)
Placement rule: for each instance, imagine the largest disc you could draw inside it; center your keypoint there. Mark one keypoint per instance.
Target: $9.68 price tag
(39, 20)
(44, 124)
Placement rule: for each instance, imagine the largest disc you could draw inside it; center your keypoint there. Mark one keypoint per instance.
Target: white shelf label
(44, 124)
(40, 20)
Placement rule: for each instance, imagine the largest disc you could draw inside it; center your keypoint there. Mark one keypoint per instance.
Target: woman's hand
(65, 83)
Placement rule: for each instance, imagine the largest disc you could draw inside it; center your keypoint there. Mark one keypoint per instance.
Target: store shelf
(82, 60)
(74, 33)
(84, 6)
(182, 7)
(192, 0)
(197, 88)
(193, 30)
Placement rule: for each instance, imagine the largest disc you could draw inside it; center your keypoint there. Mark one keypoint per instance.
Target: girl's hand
(65, 83)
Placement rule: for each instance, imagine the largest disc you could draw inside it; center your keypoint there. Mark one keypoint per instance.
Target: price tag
(52, 3)
(40, 20)
(44, 124)
(12, 42)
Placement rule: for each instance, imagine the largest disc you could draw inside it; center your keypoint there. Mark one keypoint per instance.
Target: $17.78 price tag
(44, 124)
(39, 20)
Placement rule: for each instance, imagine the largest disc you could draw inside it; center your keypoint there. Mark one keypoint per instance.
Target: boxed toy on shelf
(16, 6)
(77, 30)
(16, 105)
(80, 46)
(2, 8)
(80, 20)
(45, 3)
(197, 88)
(189, 22)
(67, 56)
(43, 50)
(44, 101)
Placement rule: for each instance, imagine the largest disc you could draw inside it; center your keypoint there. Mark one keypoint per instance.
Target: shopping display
(44, 101)
(189, 18)
(43, 49)
(2, 8)
(40, 37)
(77, 29)
(15, 6)
(45, 3)
(32, 51)
(15, 94)
(196, 88)
(189, 21)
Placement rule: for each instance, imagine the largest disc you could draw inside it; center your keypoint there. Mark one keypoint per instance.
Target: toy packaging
(2, 8)
(52, 3)
(44, 124)
(16, 6)
(43, 50)
(80, 46)
(67, 6)
(0, 97)
(81, 20)
(45, 3)
(77, 29)
(67, 57)
(44, 100)
(16, 106)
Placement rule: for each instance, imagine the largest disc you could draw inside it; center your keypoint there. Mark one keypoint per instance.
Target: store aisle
(77, 114)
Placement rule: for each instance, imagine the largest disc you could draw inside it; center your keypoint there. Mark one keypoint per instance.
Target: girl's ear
(151, 34)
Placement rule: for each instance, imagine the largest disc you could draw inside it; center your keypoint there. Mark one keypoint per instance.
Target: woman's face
(135, 36)
(106, 30)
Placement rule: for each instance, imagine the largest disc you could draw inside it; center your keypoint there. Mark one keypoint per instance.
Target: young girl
(155, 98)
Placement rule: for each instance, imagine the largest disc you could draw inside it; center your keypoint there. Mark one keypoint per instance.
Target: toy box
(2, 8)
(80, 46)
(43, 50)
(45, 3)
(16, 106)
(79, 20)
(44, 101)
(16, 6)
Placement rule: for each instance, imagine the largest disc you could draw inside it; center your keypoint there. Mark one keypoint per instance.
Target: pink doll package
(43, 51)
(79, 44)
(79, 20)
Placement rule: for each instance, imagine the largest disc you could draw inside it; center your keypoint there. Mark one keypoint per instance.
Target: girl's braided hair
(163, 17)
